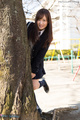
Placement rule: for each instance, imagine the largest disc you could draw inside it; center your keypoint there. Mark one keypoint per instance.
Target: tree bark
(16, 90)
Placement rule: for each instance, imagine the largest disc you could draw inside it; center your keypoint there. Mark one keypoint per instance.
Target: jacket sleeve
(28, 24)
(38, 59)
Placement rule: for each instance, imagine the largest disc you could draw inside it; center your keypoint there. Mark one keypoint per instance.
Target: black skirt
(40, 74)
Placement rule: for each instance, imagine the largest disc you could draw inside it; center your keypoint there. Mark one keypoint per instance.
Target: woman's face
(42, 23)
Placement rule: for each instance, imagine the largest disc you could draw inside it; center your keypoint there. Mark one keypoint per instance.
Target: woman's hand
(33, 75)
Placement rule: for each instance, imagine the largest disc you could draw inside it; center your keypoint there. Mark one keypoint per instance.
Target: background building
(65, 17)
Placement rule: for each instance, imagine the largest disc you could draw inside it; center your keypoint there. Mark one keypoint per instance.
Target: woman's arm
(38, 59)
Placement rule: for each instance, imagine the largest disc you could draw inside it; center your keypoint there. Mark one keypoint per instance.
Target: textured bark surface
(16, 91)
(67, 113)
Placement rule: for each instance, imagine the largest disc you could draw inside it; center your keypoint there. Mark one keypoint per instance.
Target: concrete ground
(64, 92)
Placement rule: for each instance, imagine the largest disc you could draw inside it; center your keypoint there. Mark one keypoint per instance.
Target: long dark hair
(33, 35)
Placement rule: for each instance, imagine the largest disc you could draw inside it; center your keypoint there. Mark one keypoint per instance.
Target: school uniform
(37, 53)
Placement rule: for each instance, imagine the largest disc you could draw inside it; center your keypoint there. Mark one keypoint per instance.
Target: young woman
(40, 37)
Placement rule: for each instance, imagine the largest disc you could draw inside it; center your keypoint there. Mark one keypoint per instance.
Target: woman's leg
(36, 83)
(36, 86)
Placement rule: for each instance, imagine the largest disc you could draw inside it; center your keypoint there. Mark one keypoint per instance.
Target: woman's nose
(40, 22)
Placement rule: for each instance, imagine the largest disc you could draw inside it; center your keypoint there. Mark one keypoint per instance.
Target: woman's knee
(35, 84)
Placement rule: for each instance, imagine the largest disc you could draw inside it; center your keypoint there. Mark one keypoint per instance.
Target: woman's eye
(44, 20)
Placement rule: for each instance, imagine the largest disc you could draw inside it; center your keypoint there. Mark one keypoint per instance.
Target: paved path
(64, 92)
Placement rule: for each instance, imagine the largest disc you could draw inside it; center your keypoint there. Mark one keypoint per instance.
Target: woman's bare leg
(36, 84)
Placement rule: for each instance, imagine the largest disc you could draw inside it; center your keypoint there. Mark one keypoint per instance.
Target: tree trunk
(16, 91)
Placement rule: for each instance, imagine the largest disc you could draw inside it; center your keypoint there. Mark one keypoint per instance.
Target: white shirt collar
(41, 32)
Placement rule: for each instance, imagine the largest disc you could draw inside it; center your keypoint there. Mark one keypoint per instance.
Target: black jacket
(38, 52)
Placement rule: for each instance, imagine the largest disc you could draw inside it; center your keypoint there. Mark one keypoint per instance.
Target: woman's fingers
(33, 75)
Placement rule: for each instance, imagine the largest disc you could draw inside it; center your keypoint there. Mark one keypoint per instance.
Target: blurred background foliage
(56, 52)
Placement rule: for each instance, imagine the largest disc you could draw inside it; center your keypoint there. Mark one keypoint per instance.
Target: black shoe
(39, 109)
(46, 87)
